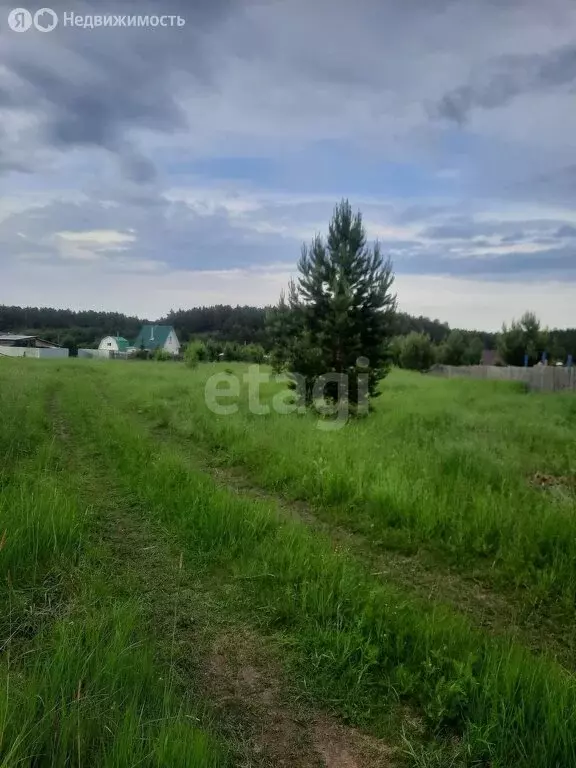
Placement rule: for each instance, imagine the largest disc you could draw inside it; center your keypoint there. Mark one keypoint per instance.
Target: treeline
(240, 325)
(243, 325)
(417, 351)
(68, 328)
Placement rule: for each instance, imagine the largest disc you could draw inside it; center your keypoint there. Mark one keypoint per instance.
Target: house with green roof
(114, 344)
(153, 337)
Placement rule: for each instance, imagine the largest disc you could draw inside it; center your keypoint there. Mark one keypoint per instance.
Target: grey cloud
(92, 87)
(567, 230)
(509, 232)
(515, 237)
(175, 236)
(508, 77)
(453, 230)
(163, 232)
(549, 263)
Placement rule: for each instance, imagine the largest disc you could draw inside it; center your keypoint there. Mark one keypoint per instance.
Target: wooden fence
(543, 378)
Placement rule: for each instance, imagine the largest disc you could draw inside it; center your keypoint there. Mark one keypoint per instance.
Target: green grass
(78, 681)
(441, 463)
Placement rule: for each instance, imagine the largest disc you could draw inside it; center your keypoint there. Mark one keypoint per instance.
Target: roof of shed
(15, 337)
(123, 343)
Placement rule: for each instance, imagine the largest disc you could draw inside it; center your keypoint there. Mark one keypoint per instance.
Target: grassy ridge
(442, 464)
(78, 684)
(361, 645)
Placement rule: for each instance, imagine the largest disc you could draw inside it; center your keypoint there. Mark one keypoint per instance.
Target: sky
(144, 169)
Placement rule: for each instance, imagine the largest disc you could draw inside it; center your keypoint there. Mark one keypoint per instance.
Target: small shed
(114, 344)
(24, 345)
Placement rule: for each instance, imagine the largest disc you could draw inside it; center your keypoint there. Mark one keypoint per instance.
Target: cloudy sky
(145, 169)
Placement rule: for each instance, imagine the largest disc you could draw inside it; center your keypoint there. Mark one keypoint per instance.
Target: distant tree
(563, 343)
(396, 349)
(69, 342)
(523, 337)
(474, 349)
(195, 353)
(417, 352)
(341, 309)
(453, 350)
(460, 348)
(284, 329)
(405, 323)
(243, 325)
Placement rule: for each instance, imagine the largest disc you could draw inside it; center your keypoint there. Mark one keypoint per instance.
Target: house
(20, 345)
(114, 344)
(153, 337)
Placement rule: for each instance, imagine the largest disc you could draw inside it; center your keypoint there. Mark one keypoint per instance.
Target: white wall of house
(172, 344)
(58, 353)
(110, 343)
(35, 352)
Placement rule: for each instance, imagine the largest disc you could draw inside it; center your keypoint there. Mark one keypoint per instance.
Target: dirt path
(536, 629)
(207, 655)
(232, 668)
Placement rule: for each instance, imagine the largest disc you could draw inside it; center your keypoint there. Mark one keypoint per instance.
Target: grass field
(182, 588)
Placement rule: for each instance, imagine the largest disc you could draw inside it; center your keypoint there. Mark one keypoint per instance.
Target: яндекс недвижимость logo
(21, 20)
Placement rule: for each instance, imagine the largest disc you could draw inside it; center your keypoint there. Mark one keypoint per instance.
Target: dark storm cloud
(566, 231)
(88, 87)
(508, 77)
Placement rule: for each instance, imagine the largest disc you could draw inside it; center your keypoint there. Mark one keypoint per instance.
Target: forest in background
(240, 325)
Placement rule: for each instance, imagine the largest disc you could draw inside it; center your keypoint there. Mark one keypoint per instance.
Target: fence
(542, 378)
(37, 352)
(97, 354)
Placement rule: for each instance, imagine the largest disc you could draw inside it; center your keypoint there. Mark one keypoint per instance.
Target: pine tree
(524, 337)
(341, 308)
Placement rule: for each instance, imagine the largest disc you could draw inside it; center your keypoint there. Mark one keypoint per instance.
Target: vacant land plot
(182, 588)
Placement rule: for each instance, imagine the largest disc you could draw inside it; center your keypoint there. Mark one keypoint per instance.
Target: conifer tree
(341, 308)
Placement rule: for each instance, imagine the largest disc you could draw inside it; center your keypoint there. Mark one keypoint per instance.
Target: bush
(195, 353)
(161, 355)
(417, 352)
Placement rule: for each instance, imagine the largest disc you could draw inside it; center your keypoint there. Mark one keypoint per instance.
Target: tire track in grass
(233, 669)
(355, 643)
(420, 573)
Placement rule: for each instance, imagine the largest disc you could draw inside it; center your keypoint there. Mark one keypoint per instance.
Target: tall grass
(362, 645)
(78, 683)
(441, 464)
(91, 695)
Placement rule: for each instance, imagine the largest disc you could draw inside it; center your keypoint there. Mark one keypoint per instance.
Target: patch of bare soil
(246, 684)
(549, 482)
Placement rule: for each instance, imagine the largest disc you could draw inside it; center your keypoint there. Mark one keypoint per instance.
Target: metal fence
(36, 352)
(543, 378)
